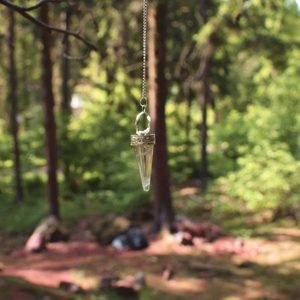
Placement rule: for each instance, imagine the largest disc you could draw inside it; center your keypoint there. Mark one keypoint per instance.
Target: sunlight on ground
(264, 267)
(179, 286)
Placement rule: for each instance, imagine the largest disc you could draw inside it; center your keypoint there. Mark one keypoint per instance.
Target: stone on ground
(49, 230)
(133, 239)
(71, 287)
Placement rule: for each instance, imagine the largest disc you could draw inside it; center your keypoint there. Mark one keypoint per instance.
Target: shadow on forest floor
(266, 266)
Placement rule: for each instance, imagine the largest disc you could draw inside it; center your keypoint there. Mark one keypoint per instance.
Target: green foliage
(102, 164)
(263, 145)
(183, 142)
(254, 117)
(16, 219)
(267, 177)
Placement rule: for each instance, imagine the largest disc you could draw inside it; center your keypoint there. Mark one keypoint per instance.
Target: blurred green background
(253, 118)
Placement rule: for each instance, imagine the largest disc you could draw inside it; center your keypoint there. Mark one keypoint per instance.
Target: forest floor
(263, 266)
(253, 260)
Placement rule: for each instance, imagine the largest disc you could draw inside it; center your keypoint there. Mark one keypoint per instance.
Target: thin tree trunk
(50, 126)
(66, 97)
(188, 123)
(65, 103)
(205, 94)
(158, 93)
(13, 98)
(204, 99)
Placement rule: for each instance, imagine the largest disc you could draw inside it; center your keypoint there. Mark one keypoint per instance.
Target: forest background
(224, 96)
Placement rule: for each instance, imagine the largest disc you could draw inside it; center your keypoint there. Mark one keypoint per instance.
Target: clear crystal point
(144, 156)
(143, 148)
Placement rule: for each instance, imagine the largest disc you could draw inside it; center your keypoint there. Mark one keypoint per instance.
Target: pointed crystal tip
(146, 187)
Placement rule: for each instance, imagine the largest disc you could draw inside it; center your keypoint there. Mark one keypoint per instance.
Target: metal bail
(139, 119)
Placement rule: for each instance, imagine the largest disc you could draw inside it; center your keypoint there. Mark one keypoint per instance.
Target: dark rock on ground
(71, 287)
(126, 293)
(108, 227)
(108, 280)
(121, 242)
(137, 238)
(246, 265)
(133, 239)
(140, 280)
(126, 289)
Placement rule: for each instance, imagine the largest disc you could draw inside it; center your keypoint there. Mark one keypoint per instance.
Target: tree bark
(66, 97)
(188, 123)
(65, 103)
(158, 93)
(50, 126)
(204, 100)
(13, 97)
(205, 95)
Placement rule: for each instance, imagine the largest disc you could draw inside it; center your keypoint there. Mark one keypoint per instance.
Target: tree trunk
(13, 98)
(65, 103)
(50, 126)
(204, 100)
(188, 123)
(66, 98)
(205, 94)
(158, 92)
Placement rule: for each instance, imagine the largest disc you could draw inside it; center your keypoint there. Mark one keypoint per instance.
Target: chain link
(144, 99)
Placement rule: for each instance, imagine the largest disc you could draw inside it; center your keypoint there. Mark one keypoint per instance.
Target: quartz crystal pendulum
(143, 141)
(143, 145)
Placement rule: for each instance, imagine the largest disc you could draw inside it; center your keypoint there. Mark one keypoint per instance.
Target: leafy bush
(257, 148)
(267, 178)
(102, 163)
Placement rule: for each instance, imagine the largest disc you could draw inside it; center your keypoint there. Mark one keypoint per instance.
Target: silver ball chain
(144, 99)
